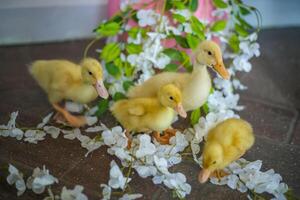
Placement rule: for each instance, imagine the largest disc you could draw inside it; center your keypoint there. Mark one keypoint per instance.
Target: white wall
(277, 13)
(27, 21)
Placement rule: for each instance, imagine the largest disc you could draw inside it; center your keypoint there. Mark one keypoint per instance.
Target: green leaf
(241, 30)
(118, 62)
(244, 11)
(171, 67)
(179, 5)
(234, 43)
(181, 41)
(205, 108)
(193, 41)
(110, 52)
(108, 29)
(102, 107)
(193, 5)
(245, 24)
(118, 96)
(133, 32)
(218, 25)
(195, 116)
(197, 27)
(174, 54)
(112, 69)
(219, 4)
(128, 69)
(133, 48)
(179, 18)
(127, 85)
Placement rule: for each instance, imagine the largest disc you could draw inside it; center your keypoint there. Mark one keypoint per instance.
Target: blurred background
(35, 21)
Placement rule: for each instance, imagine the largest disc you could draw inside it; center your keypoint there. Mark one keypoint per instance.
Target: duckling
(64, 80)
(225, 143)
(150, 113)
(195, 86)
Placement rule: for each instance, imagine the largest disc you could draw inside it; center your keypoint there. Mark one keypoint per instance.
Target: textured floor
(272, 106)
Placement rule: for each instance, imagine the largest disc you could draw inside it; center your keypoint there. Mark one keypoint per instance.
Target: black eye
(90, 73)
(214, 162)
(171, 98)
(209, 53)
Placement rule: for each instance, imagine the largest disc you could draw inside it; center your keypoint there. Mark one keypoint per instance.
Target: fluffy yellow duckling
(64, 80)
(152, 113)
(195, 86)
(225, 143)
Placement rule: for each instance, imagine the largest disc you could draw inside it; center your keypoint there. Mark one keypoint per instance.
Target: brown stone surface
(272, 107)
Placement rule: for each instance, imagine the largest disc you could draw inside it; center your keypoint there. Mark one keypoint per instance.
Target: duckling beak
(220, 68)
(204, 175)
(101, 90)
(179, 109)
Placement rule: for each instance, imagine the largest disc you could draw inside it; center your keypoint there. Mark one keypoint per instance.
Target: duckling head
(212, 160)
(170, 96)
(92, 74)
(209, 53)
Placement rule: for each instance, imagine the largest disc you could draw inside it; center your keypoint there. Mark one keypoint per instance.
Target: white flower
(238, 85)
(145, 147)
(131, 196)
(33, 136)
(75, 194)
(115, 136)
(241, 63)
(52, 130)
(177, 181)
(74, 107)
(90, 144)
(161, 164)
(147, 17)
(179, 142)
(91, 111)
(91, 120)
(217, 102)
(145, 171)
(116, 178)
(40, 179)
(102, 127)
(224, 85)
(250, 49)
(106, 192)
(137, 40)
(161, 61)
(187, 28)
(72, 134)
(184, 12)
(44, 121)
(15, 177)
(10, 129)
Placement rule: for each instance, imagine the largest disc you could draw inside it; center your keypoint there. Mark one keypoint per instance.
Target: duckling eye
(214, 162)
(90, 73)
(171, 98)
(209, 53)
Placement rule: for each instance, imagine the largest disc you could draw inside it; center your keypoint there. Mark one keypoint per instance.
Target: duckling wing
(152, 85)
(137, 110)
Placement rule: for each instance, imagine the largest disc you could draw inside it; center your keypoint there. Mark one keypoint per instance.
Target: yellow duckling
(225, 143)
(195, 86)
(152, 113)
(64, 80)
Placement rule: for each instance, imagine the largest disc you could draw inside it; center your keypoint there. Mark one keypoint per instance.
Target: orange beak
(204, 175)
(220, 69)
(179, 109)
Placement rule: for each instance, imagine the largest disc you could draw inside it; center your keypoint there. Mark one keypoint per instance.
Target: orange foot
(127, 133)
(74, 121)
(165, 139)
(219, 174)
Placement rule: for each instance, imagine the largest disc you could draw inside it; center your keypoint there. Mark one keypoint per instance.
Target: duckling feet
(75, 121)
(127, 133)
(165, 139)
(219, 174)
